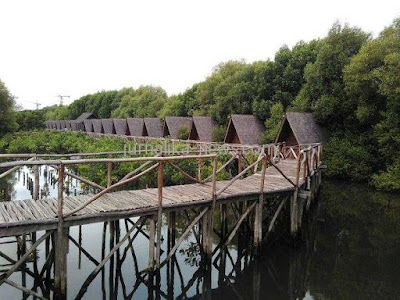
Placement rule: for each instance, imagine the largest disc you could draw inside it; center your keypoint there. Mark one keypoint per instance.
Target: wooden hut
(88, 125)
(300, 128)
(67, 125)
(202, 129)
(63, 124)
(152, 127)
(136, 126)
(97, 126)
(75, 126)
(58, 124)
(108, 126)
(121, 126)
(244, 129)
(173, 125)
(86, 116)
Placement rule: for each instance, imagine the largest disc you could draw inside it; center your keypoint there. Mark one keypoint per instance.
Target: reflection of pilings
(171, 263)
(111, 272)
(103, 251)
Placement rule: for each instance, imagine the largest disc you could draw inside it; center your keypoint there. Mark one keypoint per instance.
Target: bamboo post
(109, 173)
(259, 207)
(293, 199)
(211, 211)
(37, 182)
(60, 280)
(152, 231)
(160, 184)
(199, 167)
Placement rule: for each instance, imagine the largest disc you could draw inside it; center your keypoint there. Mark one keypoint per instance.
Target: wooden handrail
(110, 188)
(101, 160)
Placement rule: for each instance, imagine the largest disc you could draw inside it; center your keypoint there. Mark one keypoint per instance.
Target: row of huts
(296, 128)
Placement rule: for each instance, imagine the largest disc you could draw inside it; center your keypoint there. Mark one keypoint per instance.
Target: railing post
(293, 200)
(109, 173)
(60, 280)
(160, 184)
(210, 214)
(37, 181)
(259, 207)
(199, 166)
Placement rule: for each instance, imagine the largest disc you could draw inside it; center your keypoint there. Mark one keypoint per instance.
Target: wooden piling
(258, 218)
(160, 184)
(60, 280)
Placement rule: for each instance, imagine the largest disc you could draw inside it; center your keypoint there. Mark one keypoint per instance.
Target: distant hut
(136, 126)
(67, 124)
(244, 129)
(97, 126)
(202, 129)
(63, 124)
(108, 126)
(152, 127)
(300, 128)
(88, 125)
(173, 125)
(121, 126)
(86, 116)
(75, 126)
(81, 120)
(58, 124)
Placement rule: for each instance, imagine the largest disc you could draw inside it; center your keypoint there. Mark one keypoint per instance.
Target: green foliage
(183, 133)
(7, 115)
(219, 133)
(30, 119)
(272, 124)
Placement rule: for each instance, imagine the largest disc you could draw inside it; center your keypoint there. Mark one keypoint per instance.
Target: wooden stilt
(36, 183)
(160, 184)
(152, 232)
(259, 207)
(60, 280)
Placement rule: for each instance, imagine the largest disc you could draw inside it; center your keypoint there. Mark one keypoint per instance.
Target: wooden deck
(17, 217)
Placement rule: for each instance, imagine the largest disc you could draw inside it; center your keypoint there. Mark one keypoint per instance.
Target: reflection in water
(350, 250)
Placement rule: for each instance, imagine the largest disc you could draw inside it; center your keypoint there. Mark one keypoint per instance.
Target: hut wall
(88, 125)
(97, 126)
(108, 126)
(121, 127)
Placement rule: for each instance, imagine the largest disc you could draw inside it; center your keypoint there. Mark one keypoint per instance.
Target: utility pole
(62, 98)
(37, 104)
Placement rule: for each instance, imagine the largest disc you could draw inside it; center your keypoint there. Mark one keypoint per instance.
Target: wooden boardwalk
(17, 217)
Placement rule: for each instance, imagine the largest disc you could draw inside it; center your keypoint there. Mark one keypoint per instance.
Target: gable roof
(121, 127)
(108, 126)
(153, 127)
(304, 127)
(247, 128)
(174, 124)
(97, 126)
(57, 124)
(88, 125)
(74, 125)
(202, 129)
(136, 126)
(85, 116)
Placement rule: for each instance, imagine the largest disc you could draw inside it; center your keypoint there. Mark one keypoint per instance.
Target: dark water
(350, 250)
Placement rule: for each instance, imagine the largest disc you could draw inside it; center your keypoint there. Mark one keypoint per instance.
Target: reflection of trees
(7, 188)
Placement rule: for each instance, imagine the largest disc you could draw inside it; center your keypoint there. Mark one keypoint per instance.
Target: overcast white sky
(74, 48)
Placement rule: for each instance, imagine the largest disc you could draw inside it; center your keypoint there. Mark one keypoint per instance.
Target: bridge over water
(289, 177)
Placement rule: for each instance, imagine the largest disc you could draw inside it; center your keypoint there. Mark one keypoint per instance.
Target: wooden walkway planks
(26, 212)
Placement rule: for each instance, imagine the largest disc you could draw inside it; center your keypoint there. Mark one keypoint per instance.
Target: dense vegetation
(349, 80)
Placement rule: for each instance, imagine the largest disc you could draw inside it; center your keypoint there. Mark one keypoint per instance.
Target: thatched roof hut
(88, 124)
(202, 129)
(135, 126)
(63, 124)
(75, 126)
(244, 129)
(97, 126)
(299, 128)
(58, 124)
(152, 127)
(85, 116)
(67, 124)
(121, 126)
(108, 126)
(173, 125)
